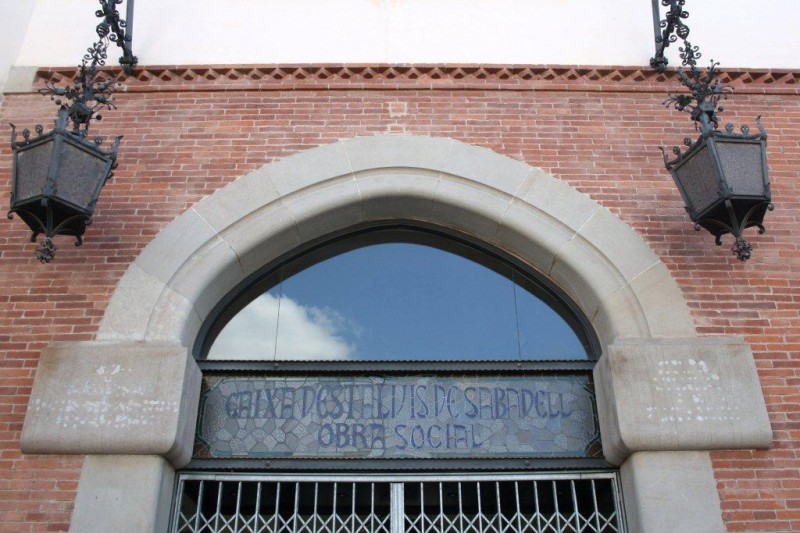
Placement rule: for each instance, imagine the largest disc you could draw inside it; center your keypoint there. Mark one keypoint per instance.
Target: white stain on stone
(100, 401)
(690, 392)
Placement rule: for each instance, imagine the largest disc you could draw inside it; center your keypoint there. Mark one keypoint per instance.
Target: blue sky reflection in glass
(398, 301)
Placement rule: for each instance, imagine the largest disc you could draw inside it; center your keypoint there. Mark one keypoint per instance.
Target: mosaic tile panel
(397, 417)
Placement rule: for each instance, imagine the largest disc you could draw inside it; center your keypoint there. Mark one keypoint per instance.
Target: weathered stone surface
(238, 199)
(212, 269)
(667, 492)
(20, 79)
(661, 307)
(403, 151)
(514, 233)
(175, 245)
(604, 231)
(401, 193)
(123, 494)
(174, 319)
(114, 398)
(590, 277)
(459, 205)
(330, 206)
(131, 307)
(679, 394)
(486, 167)
(555, 197)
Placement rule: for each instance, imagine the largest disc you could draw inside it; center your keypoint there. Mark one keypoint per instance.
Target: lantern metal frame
(43, 164)
(49, 212)
(732, 210)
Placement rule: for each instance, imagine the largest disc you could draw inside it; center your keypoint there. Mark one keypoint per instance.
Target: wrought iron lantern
(722, 176)
(56, 180)
(57, 176)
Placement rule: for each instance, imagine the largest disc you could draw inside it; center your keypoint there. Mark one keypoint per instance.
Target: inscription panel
(398, 417)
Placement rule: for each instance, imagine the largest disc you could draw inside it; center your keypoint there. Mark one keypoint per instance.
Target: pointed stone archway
(649, 344)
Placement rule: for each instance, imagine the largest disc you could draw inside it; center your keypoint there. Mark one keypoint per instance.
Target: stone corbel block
(679, 394)
(108, 398)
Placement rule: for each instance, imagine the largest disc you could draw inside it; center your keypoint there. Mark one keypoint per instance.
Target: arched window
(398, 352)
(401, 295)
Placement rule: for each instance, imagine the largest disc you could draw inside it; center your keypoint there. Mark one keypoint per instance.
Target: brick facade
(186, 136)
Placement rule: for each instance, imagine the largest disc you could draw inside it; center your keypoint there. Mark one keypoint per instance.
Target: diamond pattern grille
(507, 504)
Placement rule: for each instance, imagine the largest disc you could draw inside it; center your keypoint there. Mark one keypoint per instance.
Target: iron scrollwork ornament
(118, 31)
(89, 93)
(57, 176)
(668, 30)
(722, 176)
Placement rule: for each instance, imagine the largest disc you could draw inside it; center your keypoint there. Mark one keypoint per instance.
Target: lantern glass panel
(79, 175)
(697, 176)
(742, 167)
(33, 165)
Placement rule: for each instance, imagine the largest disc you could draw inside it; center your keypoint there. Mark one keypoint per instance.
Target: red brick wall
(182, 144)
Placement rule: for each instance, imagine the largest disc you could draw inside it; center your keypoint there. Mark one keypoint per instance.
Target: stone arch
(619, 283)
(634, 305)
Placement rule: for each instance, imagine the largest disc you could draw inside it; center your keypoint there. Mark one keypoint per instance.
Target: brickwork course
(186, 136)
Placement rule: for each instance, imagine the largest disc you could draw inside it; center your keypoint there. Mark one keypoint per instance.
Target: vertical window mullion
(555, 503)
(480, 507)
(276, 516)
(238, 506)
(536, 506)
(499, 511)
(334, 528)
(460, 510)
(441, 508)
(199, 507)
(422, 507)
(372, 517)
(219, 506)
(397, 508)
(353, 507)
(575, 506)
(258, 509)
(296, 506)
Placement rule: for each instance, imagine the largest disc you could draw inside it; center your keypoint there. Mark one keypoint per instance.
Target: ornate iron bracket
(705, 87)
(706, 91)
(118, 30)
(88, 94)
(668, 30)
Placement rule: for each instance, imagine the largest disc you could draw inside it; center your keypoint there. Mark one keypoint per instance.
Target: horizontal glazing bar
(399, 478)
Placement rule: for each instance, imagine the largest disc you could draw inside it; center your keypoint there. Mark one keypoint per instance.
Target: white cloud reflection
(306, 332)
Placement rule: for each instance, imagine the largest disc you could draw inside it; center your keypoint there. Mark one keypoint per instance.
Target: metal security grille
(556, 503)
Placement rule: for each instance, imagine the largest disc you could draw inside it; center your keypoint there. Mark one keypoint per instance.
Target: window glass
(400, 301)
